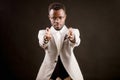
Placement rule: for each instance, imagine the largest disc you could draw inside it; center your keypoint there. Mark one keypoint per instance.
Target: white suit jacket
(66, 53)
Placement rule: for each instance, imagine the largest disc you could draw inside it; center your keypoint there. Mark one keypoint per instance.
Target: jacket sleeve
(77, 38)
(41, 39)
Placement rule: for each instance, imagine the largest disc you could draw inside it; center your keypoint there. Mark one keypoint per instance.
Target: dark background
(98, 21)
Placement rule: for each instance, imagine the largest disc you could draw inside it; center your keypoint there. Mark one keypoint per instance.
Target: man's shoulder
(41, 31)
(75, 29)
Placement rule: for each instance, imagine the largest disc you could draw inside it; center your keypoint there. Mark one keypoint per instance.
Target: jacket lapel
(53, 33)
(63, 33)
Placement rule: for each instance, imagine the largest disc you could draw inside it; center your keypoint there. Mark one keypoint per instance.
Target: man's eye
(56, 18)
(60, 17)
(53, 18)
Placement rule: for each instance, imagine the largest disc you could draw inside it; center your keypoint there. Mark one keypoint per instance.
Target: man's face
(57, 18)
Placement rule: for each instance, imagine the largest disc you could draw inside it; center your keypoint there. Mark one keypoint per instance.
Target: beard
(58, 27)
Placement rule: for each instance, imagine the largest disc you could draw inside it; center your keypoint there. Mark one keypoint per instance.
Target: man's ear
(65, 16)
(49, 17)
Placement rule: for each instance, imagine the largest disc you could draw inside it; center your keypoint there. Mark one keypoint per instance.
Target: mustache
(55, 24)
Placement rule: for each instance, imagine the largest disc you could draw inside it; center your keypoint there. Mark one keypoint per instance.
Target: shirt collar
(61, 31)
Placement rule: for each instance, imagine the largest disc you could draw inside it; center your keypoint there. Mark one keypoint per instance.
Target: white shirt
(59, 38)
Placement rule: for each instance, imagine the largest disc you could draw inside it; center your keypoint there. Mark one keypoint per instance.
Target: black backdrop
(98, 22)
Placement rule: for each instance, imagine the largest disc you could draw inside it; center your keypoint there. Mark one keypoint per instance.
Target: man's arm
(44, 37)
(74, 37)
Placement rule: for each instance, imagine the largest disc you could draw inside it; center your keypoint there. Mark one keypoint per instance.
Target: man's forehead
(59, 12)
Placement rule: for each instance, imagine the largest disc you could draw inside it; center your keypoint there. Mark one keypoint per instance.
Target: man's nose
(57, 20)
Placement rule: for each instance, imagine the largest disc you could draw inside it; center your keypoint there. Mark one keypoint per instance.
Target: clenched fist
(71, 35)
(47, 35)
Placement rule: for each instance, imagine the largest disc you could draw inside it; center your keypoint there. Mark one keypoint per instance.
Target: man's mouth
(57, 25)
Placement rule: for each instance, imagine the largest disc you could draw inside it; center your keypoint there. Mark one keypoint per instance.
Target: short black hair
(56, 6)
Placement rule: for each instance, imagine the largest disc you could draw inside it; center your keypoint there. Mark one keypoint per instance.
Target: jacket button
(55, 61)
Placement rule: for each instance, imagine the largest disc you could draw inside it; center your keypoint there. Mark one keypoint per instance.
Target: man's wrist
(72, 40)
(45, 40)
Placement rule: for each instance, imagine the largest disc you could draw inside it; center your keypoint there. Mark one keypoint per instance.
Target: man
(58, 42)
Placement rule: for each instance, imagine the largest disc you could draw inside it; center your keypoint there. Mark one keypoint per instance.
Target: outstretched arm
(44, 37)
(74, 37)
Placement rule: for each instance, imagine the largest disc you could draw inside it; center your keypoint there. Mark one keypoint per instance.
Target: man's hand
(70, 35)
(47, 35)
